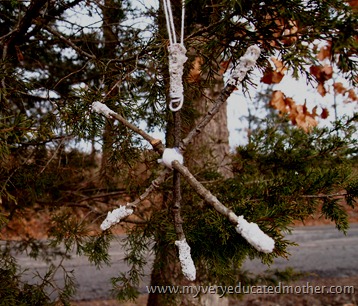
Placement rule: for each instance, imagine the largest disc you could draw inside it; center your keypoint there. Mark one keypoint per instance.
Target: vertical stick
(178, 221)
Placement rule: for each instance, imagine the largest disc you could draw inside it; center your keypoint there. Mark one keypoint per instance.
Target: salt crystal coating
(186, 262)
(177, 59)
(170, 155)
(254, 235)
(115, 216)
(101, 108)
(247, 61)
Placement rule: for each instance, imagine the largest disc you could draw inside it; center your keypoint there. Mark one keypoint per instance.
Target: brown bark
(210, 148)
(110, 42)
(212, 141)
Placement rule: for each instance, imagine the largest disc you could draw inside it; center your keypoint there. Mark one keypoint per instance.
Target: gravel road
(322, 250)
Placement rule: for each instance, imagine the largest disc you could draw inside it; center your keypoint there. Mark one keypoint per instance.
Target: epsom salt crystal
(103, 109)
(115, 216)
(255, 236)
(187, 264)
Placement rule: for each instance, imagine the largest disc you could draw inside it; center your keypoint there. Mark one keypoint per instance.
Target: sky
(239, 104)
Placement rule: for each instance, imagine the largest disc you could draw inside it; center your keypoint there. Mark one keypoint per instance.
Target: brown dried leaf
(290, 33)
(339, 88)
(195, 71)
(314, 111)
(272, 77)
(322, 73)
(290, 103)
(353, 4)
(321, 90)
(224, 66)
(352, 95)
(278, 101)
(301, 117)
(20, 56)
(280, 67)
(324, 52)
(325, 113)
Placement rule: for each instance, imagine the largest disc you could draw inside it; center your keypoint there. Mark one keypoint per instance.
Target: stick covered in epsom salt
(254, 235)
(103, 109)
(115, 216)
(187, 264)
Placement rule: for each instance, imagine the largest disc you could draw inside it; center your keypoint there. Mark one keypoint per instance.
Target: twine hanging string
(177, 58)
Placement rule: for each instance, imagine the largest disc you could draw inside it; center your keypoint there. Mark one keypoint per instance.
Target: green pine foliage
(52, 69)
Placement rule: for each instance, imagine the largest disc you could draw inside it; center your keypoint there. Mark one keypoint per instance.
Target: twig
(156, 143)
(224, 95)
(322, 196)
(52, 157)
(176, 209)
(72, 73)
(247, 61)
(98, 196)
(70, 43)
(205, 193)
(154, 185)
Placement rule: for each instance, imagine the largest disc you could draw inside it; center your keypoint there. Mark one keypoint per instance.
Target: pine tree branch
(69, 43)
(24, 24)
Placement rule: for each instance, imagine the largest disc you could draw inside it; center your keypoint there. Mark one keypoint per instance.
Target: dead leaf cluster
(297, 113)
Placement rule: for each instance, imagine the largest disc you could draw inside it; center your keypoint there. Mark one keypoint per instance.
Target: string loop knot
(177, 58)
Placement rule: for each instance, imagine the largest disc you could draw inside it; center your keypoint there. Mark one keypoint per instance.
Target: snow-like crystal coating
(101, 108)
(170, 155)
(255, 236)
(186, 262)
(247, 61)
(115, 216)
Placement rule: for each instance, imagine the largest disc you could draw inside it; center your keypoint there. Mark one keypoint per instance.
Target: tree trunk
(210, 146)
(110, 42)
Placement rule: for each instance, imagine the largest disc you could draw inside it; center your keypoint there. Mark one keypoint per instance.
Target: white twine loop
(177, 58)
(170, 155)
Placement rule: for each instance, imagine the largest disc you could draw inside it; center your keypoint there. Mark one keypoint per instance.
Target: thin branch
(205, 193)
(156, 143)
(70, 43)
(52, 157)
(72, 73)
(224, 95)
(154, 185)
(176, 209)
(103, 195)
(247, 61)
(323, 196)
